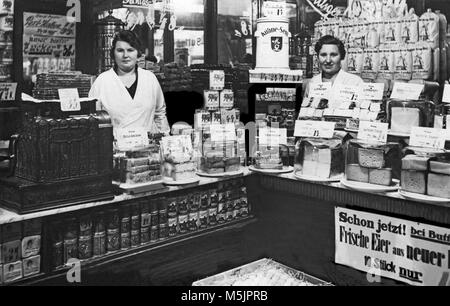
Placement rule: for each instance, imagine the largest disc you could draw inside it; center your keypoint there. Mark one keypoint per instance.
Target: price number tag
(129, 139)
(314, 129)
(407, 91)
(319, 90)
(373, 131)
(428, 138)
(372, 91)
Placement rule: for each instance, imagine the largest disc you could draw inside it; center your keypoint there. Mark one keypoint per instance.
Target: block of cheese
(380, 176)
(440, 167)
(357, 173)
(371, 158)
(438, 185)
(415, 162)
(403, 119)
(309, 168)
(414, 181)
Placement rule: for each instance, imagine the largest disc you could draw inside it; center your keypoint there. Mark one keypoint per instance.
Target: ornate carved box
(60, 158)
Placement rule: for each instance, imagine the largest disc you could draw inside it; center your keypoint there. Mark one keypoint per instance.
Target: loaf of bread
(380, 176)
(414, 162)
(438, 185)
(371, 158)
(357, 173)
(414, 181)
(440, 167)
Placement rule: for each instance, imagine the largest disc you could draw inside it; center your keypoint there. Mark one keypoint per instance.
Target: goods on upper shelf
(373, 163)
(47, 84)
(426, 172)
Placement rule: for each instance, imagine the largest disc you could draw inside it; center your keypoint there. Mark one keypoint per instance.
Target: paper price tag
(8, 91)
(70, 100)
(446, 96)
(428, 138)
(217, 79)
(272, 137)
(319, 90)
(272, 8)
(372, 91)
(129, 139)
(345, 93)
(223, 132)
(314, 129)
(407, 91)
(373, 131)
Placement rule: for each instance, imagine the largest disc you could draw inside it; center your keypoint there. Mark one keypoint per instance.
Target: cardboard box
(31, 246)
(31, 266)
(11, 232)
(11, 251)
(12, 272)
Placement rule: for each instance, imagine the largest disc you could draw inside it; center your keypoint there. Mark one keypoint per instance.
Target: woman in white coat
(132, 96)
(331, 52)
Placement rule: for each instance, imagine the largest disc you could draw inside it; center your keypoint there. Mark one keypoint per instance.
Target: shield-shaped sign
(277, 43)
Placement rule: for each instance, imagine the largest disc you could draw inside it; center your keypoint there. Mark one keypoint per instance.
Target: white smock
(147, 110)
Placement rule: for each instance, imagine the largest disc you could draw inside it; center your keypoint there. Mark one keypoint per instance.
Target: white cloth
(147, 110)
(342, 78)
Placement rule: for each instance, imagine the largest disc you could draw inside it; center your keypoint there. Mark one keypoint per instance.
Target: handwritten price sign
(70, 100)
(314, 129)
(8, 91)
(373, 131)
(428, 138)
(407, 91)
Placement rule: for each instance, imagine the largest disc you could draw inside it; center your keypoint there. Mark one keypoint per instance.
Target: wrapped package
(403, 63)
(422, 62)
(387, 63)
(355, 61)
(371, 63)
(429, 29)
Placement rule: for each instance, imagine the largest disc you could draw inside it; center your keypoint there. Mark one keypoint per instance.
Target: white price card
(8, 91)
(319, 90)
(70, 99)
(314, 129)
(428, 138)
(373, 131)
(273, 8)
(407, 91)
(372, 91)
(131, 138)
(272, 137)
(217, 79)
(345, 93)
(223, 132)
(446, 96)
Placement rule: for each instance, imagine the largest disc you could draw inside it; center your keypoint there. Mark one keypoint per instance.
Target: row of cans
(145, 222)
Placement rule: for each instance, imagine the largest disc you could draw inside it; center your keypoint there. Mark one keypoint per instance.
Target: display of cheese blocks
(415, 162)
(371, 158)
(440, 167)
(31, 266)
(438, 185)
(380, 176)
(355, 172)
(414, 181)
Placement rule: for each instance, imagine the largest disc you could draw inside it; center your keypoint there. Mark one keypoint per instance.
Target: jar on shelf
(319, 158)
(404, 115)
(373, 163)
(426, 172)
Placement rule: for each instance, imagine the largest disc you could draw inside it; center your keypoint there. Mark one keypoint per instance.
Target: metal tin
(125, 221)
(135, 218)
(173, 226)
(205, 200)
(163, 232)
(193, 221)
(85, 247)
(182, 205)
(57, 254)
(100, 223)
(145, 216)
(154, 233)
(154, 214)
(135, 238)
(145, 235)
(70, 249)
(125, 241)
(113, 219)
(162, 211)
(214, 198)
(203, 216)
(229, 214)
(212, 216)
(86, 226)
(172, 209)
(105, 32)
(99, 244)
(183, 223)
(113, 240)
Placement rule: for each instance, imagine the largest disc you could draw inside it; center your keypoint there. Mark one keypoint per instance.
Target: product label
(372, 91)
(319, 90)
(428, 138)
(373, 131)
(407, 91)
(314, 129)
(217, 80)
(129, 139)
(70, 99)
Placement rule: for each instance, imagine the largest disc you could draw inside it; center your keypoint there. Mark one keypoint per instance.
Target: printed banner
(47, 46)
(48, 25)
(413, 253)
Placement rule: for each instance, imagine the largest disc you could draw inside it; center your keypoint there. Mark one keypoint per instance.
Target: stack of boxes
(20, 250)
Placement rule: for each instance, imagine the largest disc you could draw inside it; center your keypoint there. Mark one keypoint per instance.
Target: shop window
(235, 31)
(188, 31)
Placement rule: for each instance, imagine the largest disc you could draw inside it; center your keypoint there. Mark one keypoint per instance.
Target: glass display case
(319, 159)
(404, 115)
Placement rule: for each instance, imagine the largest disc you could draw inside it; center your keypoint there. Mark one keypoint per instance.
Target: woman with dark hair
(331, 52)
(132, 96)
